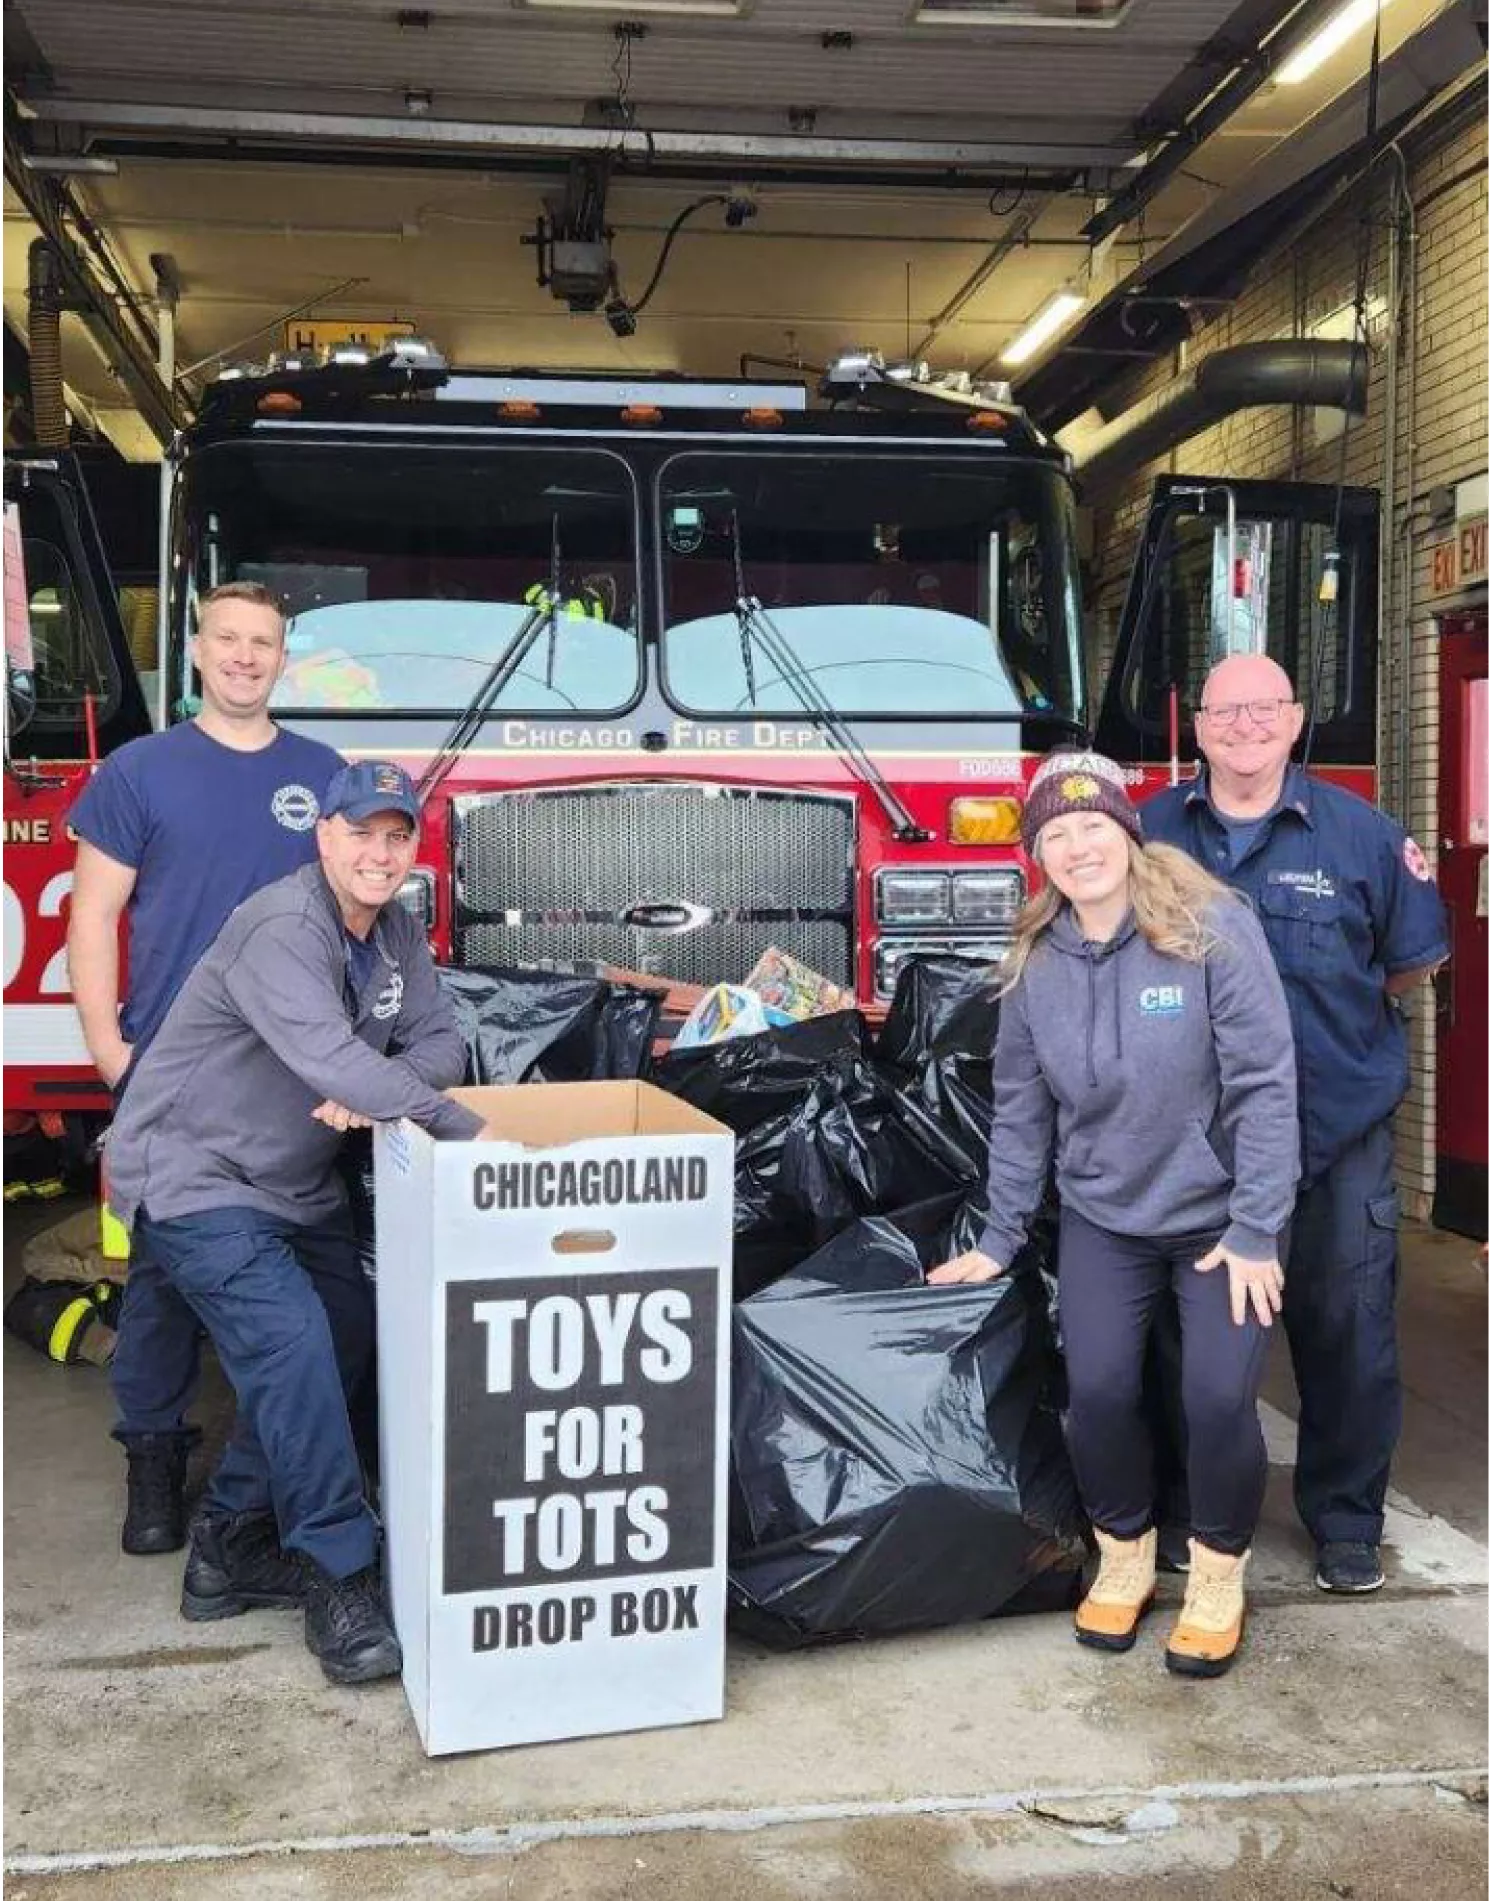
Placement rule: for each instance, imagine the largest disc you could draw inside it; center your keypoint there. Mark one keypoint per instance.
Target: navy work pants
(1339, 1310)
(289, 1311)
(1111, 1288)
(158, 1356)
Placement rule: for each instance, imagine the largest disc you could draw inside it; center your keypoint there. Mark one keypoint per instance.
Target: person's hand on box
(972, 1266)
(337, 1116)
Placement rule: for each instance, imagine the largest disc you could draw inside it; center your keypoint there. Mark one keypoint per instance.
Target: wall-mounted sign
(319, 333)
(1459, 560)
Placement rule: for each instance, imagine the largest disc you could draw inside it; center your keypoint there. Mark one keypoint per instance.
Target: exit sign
(1460, 560)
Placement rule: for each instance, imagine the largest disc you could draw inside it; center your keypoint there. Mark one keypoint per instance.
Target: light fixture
(1037, 332)
(714, 9)
(1323, 44)
(70, 165)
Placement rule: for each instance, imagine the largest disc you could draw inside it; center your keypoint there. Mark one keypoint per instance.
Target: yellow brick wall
(1440, 334)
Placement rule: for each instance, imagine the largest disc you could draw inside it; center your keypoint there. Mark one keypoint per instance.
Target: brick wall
(1430, 350)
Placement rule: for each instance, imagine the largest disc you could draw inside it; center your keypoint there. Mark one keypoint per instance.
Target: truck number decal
(55, 981)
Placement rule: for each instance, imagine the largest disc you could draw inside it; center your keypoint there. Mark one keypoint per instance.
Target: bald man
(1354, 921)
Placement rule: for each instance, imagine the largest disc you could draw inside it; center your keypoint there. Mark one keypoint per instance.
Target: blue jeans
(290, 1314)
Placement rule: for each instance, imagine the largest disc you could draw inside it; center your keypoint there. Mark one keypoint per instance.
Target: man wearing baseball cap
(316, 1010)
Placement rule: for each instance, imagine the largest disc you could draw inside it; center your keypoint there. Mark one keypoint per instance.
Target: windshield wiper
(541, 615)
(755, 624)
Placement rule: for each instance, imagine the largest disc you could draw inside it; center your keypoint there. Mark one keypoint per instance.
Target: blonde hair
(1171, 897)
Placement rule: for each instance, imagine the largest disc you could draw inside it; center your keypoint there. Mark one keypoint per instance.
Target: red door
(1463, 875)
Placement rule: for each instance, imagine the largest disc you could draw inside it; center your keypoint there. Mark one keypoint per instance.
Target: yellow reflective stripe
(112, 1233)
(66, 1325)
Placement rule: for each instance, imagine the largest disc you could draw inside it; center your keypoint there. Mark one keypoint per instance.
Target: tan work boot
(1208, 1634)
(1108, 1616)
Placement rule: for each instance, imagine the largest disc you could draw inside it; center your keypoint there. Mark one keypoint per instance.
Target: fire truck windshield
(904, 584)
(405, 576)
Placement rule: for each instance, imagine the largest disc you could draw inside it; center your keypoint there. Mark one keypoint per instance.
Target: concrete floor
(1345, 1756)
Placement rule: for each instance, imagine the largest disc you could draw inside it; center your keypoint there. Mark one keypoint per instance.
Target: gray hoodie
(1166, 1089)
(267, 1026)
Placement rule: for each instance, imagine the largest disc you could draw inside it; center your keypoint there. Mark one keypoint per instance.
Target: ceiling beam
(308, 129)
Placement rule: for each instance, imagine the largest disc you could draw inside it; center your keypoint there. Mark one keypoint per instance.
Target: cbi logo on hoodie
(1161, 1000)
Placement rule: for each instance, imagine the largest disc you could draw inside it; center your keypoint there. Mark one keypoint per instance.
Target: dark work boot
(237, 1564)
(155, 1515)
(347, 1627)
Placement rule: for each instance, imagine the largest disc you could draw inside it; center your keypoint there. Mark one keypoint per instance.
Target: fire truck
(685, 669)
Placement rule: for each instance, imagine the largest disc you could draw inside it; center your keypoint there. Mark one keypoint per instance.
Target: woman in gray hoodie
(1144, 1043)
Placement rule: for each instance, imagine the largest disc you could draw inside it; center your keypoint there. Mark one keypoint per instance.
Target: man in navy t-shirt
(174, 832)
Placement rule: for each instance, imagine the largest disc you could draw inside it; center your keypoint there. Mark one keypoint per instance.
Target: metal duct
(1317, 374)
(45, 298)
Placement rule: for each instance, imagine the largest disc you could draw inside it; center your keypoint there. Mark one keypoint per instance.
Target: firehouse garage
(574, 555)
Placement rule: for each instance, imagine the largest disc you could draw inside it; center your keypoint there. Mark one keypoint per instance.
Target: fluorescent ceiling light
(1323, 44)
(70, 165)
(714, 9)
(1054, 316)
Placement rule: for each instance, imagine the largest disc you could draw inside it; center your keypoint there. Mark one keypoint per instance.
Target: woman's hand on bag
(971, 1266)
(1256, 1284)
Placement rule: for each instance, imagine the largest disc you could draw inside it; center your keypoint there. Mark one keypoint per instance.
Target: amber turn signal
(985, 821)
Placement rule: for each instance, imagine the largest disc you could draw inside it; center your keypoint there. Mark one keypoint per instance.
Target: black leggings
(1110, 1288)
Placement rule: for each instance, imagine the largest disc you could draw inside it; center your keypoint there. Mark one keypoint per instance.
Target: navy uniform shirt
(1346, 901)
(204, 826)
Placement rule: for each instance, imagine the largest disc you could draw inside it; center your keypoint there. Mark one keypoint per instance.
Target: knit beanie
(1078, 782)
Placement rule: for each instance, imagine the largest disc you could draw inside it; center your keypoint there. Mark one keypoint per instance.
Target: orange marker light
(985, 821)
(279, 402)
(518, 412)
(763, 419)
(988, 421)
(643, 415)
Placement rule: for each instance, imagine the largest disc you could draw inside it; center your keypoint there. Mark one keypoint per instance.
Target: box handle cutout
(584, 1241)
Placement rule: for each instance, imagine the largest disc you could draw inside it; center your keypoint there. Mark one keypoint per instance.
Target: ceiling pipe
(45, 299)
(55, 216)
(1316, 373)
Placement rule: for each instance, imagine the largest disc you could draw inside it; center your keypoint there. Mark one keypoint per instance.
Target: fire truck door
(1463, 876)
(1227, 567)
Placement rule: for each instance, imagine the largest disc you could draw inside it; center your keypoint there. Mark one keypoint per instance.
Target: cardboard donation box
(553, 1370)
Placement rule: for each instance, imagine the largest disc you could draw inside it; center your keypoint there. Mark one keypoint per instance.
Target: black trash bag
(543, 1027)
(854, 1146)
(943, 1006)
(897, 1462)
(957, 1093)
(939, 1036)
(751, 1079)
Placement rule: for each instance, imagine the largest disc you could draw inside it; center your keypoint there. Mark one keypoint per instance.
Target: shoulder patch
(1415, 860)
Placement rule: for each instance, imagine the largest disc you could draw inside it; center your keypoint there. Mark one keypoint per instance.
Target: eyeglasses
(1263, 712)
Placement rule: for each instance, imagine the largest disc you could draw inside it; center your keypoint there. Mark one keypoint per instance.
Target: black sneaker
(347, 1627)
(155, 1512)
(1173, 1549)
(1349, 1567)
(237, 1564)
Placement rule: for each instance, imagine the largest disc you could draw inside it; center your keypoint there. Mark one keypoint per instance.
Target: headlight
(416, 895)
(986, 897)
(914, 897)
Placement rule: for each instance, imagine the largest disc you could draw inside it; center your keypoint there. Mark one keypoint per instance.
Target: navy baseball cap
(370, 786)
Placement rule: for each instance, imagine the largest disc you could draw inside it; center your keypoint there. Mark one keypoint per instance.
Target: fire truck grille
(687, 882)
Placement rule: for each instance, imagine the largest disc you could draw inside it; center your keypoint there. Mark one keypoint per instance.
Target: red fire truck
(687, 669)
